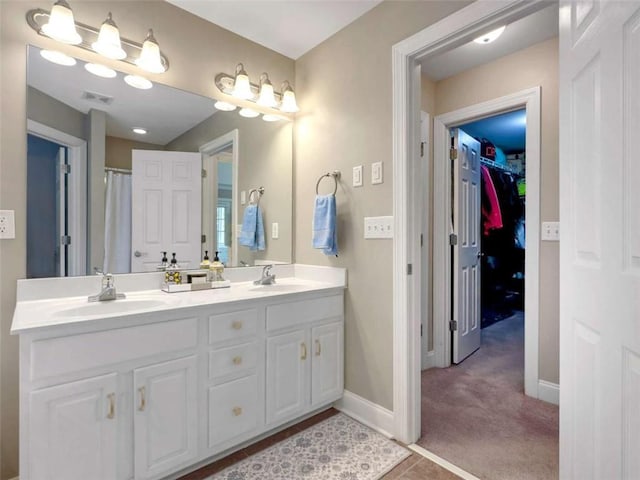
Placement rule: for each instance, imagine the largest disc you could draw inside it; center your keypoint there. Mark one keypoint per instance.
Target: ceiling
(537, 27)
(507, 130)
(290, 27)
(164, 111)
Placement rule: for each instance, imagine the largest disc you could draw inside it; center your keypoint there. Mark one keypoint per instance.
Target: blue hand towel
(325, 233)
(252, 233)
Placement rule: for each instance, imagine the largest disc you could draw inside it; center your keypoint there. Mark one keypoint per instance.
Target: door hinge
(203, 239)
(453, 153)
(422, 149)
(453, 325)
(453, 239)
(65, 168)
(421, 329)
(65, 240)
(421, 240)
(409, 269)
(204, 173)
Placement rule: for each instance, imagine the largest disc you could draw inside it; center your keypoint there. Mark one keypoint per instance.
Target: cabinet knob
(237, 411)
(111, 413)
(236, 325)
(318, 348)
(237, 360)
(303, 347)
(143, 400)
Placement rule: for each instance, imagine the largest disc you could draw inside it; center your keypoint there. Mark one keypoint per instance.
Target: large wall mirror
(101, 197)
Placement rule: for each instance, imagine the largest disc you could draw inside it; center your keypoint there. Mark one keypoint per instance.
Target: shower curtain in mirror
(117, 224)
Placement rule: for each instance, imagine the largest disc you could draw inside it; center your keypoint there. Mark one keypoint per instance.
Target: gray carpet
(476, 414)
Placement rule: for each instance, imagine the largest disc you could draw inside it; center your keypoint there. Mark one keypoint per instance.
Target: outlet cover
(550, 231)
(7, 224)
(378, 227)
(357, 176)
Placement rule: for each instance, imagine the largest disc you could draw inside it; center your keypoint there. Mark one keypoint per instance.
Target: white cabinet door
(327, 371)
(287, 375)
(72, 430)
(165, 420)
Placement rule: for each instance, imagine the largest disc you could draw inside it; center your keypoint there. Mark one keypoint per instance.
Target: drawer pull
(237, 360)
(143, 400)
(303, 346)
(318, 348)
(237, 411)
(112, 406)
(236, 325)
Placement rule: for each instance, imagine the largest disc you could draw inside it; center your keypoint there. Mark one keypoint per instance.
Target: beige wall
(530, 67)
(118, 151)
(197, 51)
(265, 159)
(344, 91)
(51, 112)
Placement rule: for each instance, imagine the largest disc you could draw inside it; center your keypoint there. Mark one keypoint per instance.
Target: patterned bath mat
(338, 448)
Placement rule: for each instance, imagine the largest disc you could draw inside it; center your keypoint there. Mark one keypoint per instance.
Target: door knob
(137, 253)
(480, 254)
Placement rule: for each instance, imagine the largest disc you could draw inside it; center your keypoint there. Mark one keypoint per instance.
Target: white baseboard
(463, 474)
(428, 359)
(366, 412)
(549, 392)
(16, 478)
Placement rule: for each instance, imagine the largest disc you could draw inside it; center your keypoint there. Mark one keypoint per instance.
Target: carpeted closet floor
(476, 415)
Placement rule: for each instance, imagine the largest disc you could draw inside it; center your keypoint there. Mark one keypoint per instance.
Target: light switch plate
(357, 176)
(275, 230)
(7, 224)
(376, 173)
(550, 231)
(378, 227)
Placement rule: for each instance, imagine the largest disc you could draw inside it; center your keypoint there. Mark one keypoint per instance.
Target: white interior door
(466, 252)
(600, 240)
(166, 205)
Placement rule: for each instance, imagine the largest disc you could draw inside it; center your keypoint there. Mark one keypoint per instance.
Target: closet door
(466, 255)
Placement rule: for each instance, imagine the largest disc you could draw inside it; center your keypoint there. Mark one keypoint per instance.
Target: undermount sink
(108, 308)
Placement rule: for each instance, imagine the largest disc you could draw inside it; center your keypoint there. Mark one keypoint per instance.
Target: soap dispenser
(216, 268)
(204, 265)
(172, 275)
(164, 262)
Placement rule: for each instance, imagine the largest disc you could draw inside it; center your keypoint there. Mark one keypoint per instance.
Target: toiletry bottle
(172, 275)
(216, 269)
(204, 265)
(164, 263)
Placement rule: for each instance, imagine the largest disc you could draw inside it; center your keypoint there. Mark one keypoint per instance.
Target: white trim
(549, 392)
(210, 148)
(454, 30)
(76, 193)
(530, 99)
(428, 359)
(442, 462)
(368, 413)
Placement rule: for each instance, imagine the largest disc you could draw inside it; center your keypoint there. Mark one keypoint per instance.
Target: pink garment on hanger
(491, 215)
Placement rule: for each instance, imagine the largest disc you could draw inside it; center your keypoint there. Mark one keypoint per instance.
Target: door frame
(450, 32)
(442, 292)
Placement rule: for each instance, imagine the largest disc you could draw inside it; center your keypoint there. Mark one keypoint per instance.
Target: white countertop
(40, 304)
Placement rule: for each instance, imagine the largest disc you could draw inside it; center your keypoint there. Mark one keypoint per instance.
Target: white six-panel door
(166, 205)
(466, 252)
(600, 240)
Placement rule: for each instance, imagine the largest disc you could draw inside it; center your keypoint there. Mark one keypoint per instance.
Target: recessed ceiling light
(491, 36)
(137, 81)
(248, 113)
(140, 131)
(100, 70)
(224, 106)
(267, 117)
(58, 57)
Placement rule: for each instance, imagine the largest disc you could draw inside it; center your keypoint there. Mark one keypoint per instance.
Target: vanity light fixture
(150, 56)
(224, 106)
(61, 26)
(108, 44)
(58, 57)
(241, 85)
(139, 131)
(248, 113)
(491, 36)
(100, 70)
(137, 81)
(289, 104)
(267, 97)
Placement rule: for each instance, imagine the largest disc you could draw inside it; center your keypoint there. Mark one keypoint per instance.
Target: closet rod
(493, 164)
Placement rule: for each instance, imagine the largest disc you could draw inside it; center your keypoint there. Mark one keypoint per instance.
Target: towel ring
(259, 192)
(335, 175)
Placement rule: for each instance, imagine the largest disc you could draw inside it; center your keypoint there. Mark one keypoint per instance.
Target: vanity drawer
(231, 360)
(294, 314)
(58, 356)
(233, 325)
(233, 409)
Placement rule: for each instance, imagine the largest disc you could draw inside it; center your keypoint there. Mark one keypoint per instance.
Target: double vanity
(155, 384)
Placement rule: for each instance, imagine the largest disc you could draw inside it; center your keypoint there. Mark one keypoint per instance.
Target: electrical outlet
(550, 231)
(7, 224)
(378, 227)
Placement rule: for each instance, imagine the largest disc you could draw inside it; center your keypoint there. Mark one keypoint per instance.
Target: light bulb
(241, 85)
(224, 106)
(289, 104)
(58, 57)
(248, 113)
(108, 43)
(266, 98)
(61, 26)
(491, 36)
(100, 70)
(139, 131)
(137, 81)
(150, 56)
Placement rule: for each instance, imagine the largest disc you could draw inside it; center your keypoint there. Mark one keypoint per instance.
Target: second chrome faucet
(267, 277)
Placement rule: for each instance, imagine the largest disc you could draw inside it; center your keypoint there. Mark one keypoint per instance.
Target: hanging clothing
(117, 224)
(491, 214)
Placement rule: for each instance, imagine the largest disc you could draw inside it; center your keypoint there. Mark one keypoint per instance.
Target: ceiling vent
(97, 98)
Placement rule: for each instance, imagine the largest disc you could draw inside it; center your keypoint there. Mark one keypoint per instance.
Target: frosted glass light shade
(241, 85)
(491, 36)
(266, 97)
(289, 104)
(58, 57)
(150, 56)
(61, 26)
(108, 43)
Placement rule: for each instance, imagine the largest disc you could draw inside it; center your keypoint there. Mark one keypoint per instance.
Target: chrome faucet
(108, 291)
(267, 277)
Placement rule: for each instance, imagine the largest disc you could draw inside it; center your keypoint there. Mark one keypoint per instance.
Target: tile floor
(414, 467)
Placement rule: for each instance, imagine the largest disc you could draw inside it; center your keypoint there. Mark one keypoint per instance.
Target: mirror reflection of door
(218, 194)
